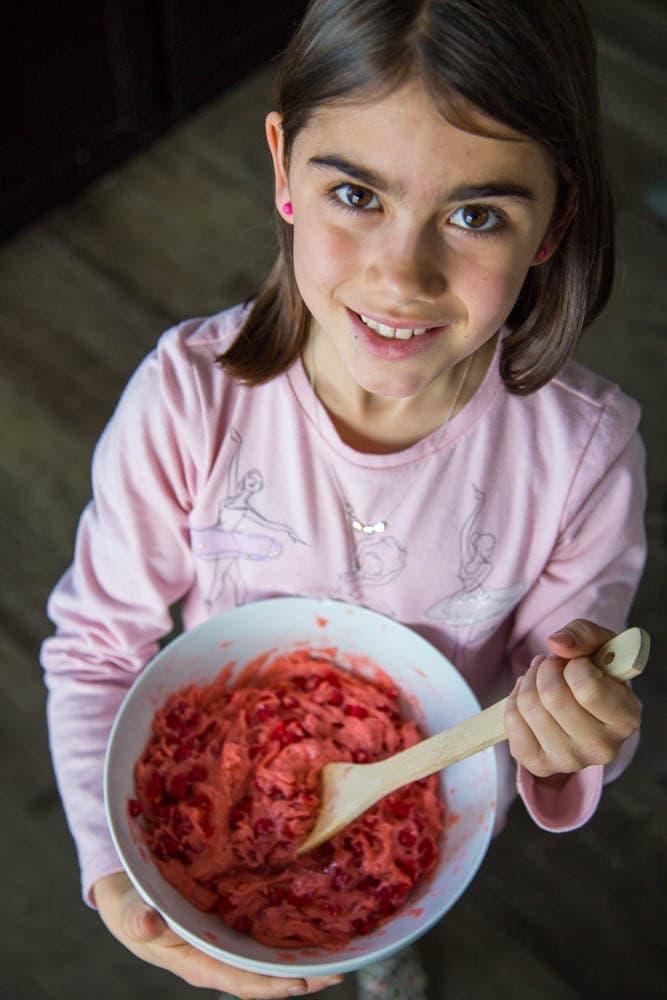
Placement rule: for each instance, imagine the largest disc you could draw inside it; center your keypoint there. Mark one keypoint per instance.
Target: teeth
(390, 331)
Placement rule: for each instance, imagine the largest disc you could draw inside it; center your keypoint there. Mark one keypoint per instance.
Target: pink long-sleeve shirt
(525, 512)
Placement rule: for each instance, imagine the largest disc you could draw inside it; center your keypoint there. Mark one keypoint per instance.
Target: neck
(382, 424)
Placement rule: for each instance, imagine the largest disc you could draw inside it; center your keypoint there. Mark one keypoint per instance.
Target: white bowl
(433, 693)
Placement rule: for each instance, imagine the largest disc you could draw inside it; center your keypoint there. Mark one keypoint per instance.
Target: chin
(389, 385)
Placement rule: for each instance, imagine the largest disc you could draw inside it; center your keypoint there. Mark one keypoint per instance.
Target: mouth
(404, 331)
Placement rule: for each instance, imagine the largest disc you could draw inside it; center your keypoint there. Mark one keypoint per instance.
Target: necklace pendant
(369, 529)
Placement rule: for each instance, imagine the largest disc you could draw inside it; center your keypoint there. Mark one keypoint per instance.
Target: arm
(132, 562)
(569, 728)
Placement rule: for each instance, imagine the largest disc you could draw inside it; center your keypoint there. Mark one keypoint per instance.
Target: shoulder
(583, 410)
(175, 391)
(196, 343)
(583, 391)
(181, 371)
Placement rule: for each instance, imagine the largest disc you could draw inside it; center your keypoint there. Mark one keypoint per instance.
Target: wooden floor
(184, 229)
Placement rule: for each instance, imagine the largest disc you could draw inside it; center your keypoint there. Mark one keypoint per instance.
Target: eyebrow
(465, 192)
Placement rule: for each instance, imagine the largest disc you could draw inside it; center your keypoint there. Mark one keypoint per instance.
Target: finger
(585, 739)
(202, 970)
(578, 638)
(612, 703)
(555, 745)
(523, 745)
(141, 922)
(595, 725)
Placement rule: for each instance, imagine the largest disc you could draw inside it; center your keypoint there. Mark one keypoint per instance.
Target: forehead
(405, 132)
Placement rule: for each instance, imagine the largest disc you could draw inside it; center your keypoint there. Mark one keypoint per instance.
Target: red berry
(181, 825)
(364, 926)
(243, 924)
(336, 697)
(356, 711)
(178, 787)
(399, 808)
(207, 828)
(155, 787)
(407, 838)
(134, 807)
(174, 721)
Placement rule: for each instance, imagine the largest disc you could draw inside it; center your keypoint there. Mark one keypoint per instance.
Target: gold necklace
(356, 523)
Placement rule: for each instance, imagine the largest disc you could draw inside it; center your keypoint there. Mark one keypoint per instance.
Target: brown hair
(530, 64)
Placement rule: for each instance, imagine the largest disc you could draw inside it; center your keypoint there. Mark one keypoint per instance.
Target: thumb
(578, 638)
(141, 922)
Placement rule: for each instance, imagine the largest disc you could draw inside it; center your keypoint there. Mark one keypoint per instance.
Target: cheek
(490, 287)
(323, 256)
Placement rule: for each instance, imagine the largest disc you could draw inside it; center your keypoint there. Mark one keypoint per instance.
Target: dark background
(88, 82)
(135, 191)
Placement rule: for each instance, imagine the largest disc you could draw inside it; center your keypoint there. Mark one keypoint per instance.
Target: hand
(564, 714)
(144, 932)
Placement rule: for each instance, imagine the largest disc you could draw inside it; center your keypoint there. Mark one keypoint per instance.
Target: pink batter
(228, 787)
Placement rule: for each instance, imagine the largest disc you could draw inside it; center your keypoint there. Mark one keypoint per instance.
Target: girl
(400, 391)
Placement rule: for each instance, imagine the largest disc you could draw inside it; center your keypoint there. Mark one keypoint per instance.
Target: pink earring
(542, 253)
(287, 208)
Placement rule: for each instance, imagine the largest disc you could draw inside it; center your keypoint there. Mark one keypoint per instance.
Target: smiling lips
(394, 332)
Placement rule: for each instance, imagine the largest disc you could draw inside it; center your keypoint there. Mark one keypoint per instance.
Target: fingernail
(297, 990)
(564, 637)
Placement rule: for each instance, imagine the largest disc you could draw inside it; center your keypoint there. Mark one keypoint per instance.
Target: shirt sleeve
(593, 573)
(132, 561)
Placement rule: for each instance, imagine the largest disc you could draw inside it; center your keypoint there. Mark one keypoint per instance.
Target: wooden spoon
(350, 789)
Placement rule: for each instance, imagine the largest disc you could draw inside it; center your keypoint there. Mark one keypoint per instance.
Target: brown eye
(356, 197)
(360, 197)
(476, 216)
(477, 219)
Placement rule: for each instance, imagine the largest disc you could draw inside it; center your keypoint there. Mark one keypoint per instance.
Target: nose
(408, 266)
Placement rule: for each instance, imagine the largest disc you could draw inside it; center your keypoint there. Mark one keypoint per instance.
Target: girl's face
(404, 223)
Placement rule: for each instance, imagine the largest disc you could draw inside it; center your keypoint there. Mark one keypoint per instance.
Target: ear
(276, 142)
(558, 226)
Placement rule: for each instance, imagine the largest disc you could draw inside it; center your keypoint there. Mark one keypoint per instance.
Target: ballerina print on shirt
(474, 608)
(380, 559)
(232, 539)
